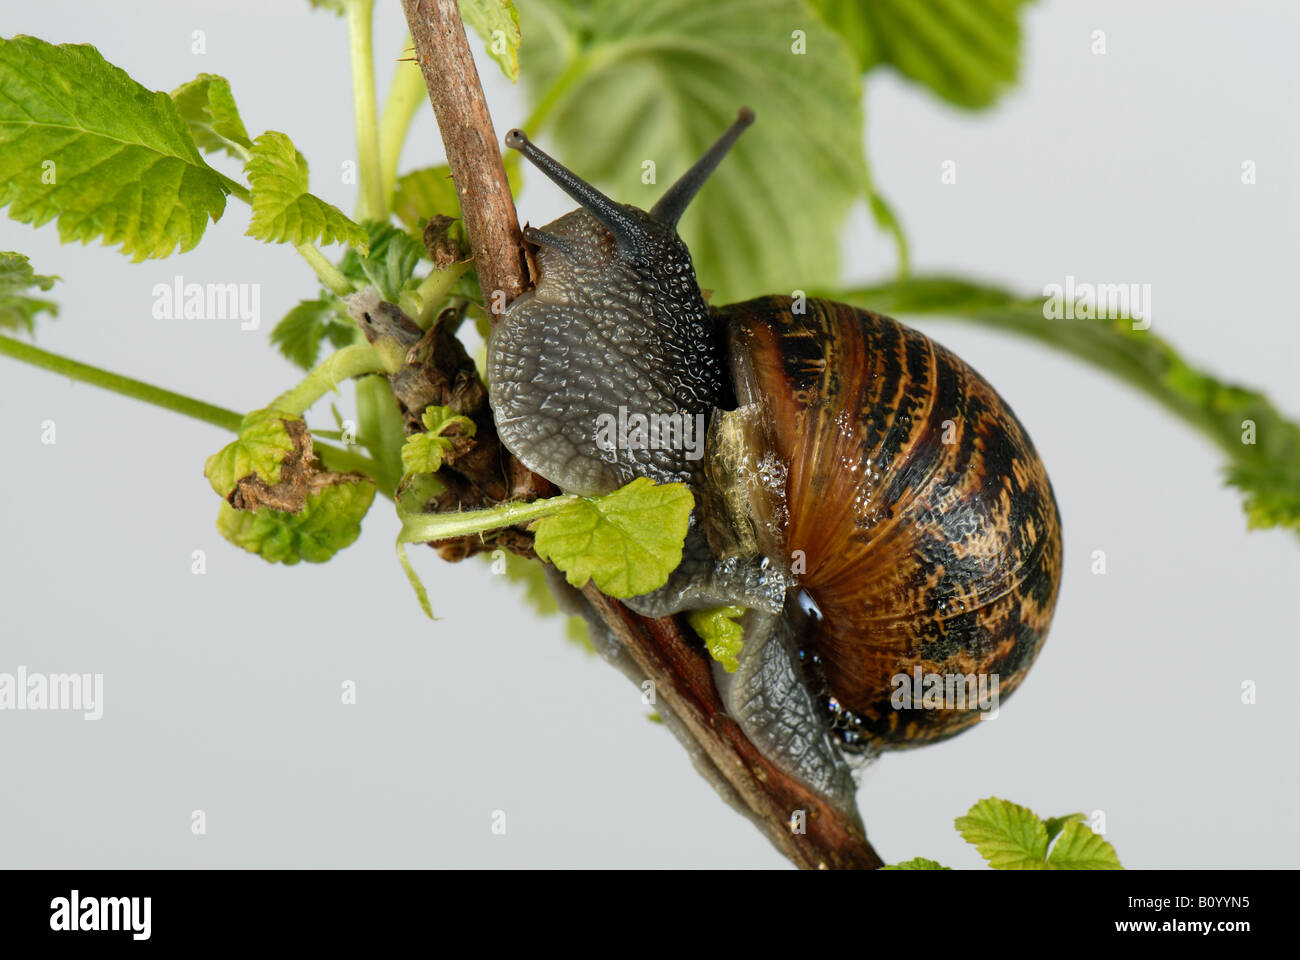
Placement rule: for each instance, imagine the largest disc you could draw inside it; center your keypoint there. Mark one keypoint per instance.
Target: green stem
(237, 189)
(127, 387)
(330, 275)
(427, 527)
(334, 458)
(372, 202)
(563, 86)
(353, 361)
(434, 288)
(404, 98)
(343, 460)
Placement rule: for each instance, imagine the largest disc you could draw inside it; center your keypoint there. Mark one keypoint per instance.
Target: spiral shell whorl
(928, 529)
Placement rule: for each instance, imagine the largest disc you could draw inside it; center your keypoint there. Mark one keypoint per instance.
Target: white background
(222, 691)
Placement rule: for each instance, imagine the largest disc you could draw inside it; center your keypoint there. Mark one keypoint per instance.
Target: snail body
(868, 498)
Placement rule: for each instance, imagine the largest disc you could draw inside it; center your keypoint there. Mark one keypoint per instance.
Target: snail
(864, 495)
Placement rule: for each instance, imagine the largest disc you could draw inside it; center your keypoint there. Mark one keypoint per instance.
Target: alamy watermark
(1087, 301)
(945, 691)
(179, 300)
(655, 431)
(82, 692)
(75, 913)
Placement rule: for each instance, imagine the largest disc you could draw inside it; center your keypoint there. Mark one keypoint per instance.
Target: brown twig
(472, 149)
(663, 649)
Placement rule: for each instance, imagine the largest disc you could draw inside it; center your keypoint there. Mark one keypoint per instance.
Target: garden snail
(865, 495)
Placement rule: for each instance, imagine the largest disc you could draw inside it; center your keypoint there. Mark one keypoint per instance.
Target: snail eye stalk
(612, 215)
(673, 204)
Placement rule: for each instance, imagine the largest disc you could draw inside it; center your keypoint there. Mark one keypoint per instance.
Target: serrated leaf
(965, 51)
(329, 521)
(721, 634)
(18, 309)
(628, 541)
(1262, 445)
(1081, 849)
(388, 262)
(1007, 835)
(260, 446)
(660, 80)
(1054, 825)
(424, 452)
(497, 22)
(298, 334)
(82, 142)
(917, 863)
(208, 107)
(283, 209)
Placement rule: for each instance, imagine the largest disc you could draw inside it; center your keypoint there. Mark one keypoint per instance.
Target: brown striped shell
(929, 532)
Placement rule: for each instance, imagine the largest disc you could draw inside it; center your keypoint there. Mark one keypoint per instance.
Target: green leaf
(497, 22)
(917, 863)
(298, 334)
(283, 210)
(261, 445)
(423, 452)
(1081, 849)
(628, 541)
(329, 6)
(329, 521)
(619, 84)
(424, 193)
(1267, 471)
(721, 634)
(208, 107)
(389, 261)
(1054, 825)
(1008, 836)
(18, 309)
(965, 51)
(83, 142)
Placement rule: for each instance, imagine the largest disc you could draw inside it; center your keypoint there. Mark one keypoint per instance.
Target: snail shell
(929, 532)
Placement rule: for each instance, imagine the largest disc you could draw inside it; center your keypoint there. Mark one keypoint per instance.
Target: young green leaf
(424, 452)
(424, 193)
(389, 261)
(648, 86)
(1081, 849)
(298, 334)
(263, 442)
(18, 308)
(82, 142)
(1263, 446)
(283, 210)
(329, 521)
(208, 107)
(497, 22)
(628, 541)
(721, 634)
(1054, 825)
(965, 51)
(917, 863)
(1008, 836)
